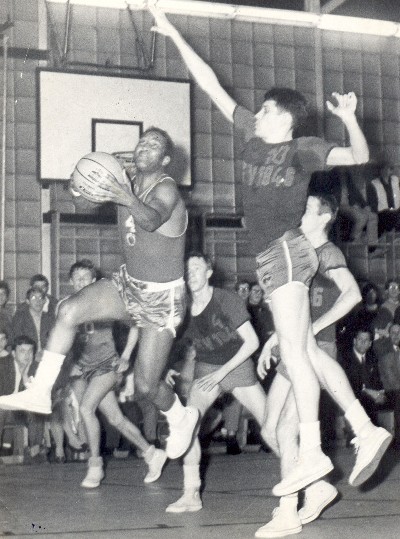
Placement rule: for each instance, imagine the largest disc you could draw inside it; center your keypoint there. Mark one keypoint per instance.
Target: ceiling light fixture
(337, 23)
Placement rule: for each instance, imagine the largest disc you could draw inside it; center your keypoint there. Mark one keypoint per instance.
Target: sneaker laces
(275, 512)
(355, 442)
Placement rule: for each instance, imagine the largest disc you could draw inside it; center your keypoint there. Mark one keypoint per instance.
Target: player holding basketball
(275, 177)
(149, 288)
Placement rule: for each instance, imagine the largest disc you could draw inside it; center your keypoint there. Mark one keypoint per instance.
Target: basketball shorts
(87, 371)
(327, 346)
(243, 376)
(152, 305)
(290, 258)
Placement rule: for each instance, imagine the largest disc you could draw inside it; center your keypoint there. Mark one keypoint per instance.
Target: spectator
(260, 314)
(7, 376)
(40, 282)
(354, 207)
(32, 320)
(6, 365)
(388, 354)
(5, 316)
(243, 290)
(381, 324)
(383, 195)
(361, 366)
(362, 316)
(392, 296)
(21, 367)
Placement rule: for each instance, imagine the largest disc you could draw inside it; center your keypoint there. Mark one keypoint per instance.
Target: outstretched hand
(163, 26)
(346, 104)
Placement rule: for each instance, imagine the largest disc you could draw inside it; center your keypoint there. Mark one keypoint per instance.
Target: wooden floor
(46, 499)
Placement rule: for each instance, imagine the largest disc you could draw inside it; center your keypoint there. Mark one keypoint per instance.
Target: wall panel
(247, 57)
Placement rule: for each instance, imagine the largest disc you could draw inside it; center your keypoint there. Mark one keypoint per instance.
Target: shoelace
(275, 512)
(356, 443)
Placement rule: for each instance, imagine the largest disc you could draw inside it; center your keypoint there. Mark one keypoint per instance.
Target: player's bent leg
(99, 300)
(370, 445)
(371, 441)
(284, 421)
(150, 363)
(276, 399)
(291, 312)
(153, 457)
(190, 501)
(254, 399)
(97, 389)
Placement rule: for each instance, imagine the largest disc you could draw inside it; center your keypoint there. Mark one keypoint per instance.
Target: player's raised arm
(201, 71)
(357, 153)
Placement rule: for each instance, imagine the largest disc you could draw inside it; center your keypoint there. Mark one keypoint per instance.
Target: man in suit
(383, 195)
(388, 354)
(361, 366)
(21, 369)
(354, 208)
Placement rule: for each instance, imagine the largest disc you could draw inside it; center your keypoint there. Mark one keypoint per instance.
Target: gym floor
(46, 499)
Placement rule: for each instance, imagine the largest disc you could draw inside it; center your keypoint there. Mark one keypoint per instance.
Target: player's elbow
(353, 297)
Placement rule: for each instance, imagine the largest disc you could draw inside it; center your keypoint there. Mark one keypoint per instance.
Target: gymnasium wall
(247, 57)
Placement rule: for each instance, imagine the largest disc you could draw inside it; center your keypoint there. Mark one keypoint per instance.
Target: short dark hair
(364, 330)
(169, 145)
(85, 263)
(203, 256)
(5, 286)
(38, 277)
(24, 339)
(329, 204)
(291, 101)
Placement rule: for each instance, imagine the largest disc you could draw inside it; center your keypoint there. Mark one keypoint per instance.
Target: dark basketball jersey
(323, 291)
(275, 179)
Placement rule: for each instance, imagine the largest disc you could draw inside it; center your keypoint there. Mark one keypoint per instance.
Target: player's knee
(144, 390)
(116, 421)
(87, 411)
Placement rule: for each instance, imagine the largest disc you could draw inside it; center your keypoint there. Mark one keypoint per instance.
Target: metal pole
(3, 159)
(66, 31)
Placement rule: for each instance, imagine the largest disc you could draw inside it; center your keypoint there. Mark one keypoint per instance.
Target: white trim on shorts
(288, 261)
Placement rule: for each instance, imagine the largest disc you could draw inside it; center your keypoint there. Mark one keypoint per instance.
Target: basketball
(92, 170)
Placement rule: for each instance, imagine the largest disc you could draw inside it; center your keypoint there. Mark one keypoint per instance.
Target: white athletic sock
(53, 356)
(148, 455)
(289, 502)
(310, 436)
(358, 419)
(176, 413)
(48, 369)
(191, 477)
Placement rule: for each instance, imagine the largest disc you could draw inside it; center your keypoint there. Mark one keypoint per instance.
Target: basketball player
(275, 177)
(333, 293)
(149, 288)
(222, 342)
(93, 379)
